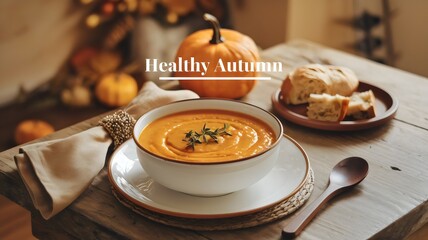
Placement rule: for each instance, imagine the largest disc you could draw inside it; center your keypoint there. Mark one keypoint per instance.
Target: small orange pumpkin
(29, 130)
(116, 89)
(210, 45)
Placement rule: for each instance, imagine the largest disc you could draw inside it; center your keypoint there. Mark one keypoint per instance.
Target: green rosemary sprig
(192, 137)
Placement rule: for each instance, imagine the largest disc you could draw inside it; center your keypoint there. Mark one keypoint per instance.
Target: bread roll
(317, 79)
(325, 107)
(344, 81)
(362, 105)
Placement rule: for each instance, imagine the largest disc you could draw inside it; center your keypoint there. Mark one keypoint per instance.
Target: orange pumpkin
(210, 45)
(116, 89)
(29, 130)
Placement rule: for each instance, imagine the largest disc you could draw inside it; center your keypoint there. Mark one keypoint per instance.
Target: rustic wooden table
(390, 203)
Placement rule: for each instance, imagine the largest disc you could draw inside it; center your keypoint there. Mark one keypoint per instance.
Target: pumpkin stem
(216, 28)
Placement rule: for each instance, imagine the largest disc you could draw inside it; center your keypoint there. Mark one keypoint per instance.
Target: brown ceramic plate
(386, 107)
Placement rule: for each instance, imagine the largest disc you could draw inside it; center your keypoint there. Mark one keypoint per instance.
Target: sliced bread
(362, 105)
(325, 107)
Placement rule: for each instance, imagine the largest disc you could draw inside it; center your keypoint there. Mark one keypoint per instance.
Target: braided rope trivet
(270, 214)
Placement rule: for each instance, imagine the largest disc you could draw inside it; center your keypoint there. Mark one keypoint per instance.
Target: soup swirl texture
(165, 137)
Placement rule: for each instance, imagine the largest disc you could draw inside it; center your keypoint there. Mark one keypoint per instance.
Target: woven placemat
(270, 214)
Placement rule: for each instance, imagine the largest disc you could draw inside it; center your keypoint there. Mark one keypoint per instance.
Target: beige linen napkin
(56, 172)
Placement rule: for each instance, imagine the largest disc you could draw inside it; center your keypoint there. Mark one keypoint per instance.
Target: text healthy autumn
(191, 65)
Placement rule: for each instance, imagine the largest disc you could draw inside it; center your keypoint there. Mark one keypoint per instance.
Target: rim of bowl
(277, 141)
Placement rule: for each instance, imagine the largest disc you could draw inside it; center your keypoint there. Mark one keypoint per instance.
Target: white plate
(285, 179)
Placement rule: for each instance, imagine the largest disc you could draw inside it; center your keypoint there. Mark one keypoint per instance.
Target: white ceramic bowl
(208, 179)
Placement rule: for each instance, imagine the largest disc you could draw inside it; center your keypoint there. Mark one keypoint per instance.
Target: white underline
(215, 78)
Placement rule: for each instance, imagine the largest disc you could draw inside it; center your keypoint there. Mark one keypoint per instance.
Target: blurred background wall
(265, 21)
(330, 22)
(35, 38)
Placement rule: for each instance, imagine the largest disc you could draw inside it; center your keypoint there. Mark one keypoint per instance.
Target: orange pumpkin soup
(217, 135)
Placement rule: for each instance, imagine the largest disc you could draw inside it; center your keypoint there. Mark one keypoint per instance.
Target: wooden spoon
(347, 173)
